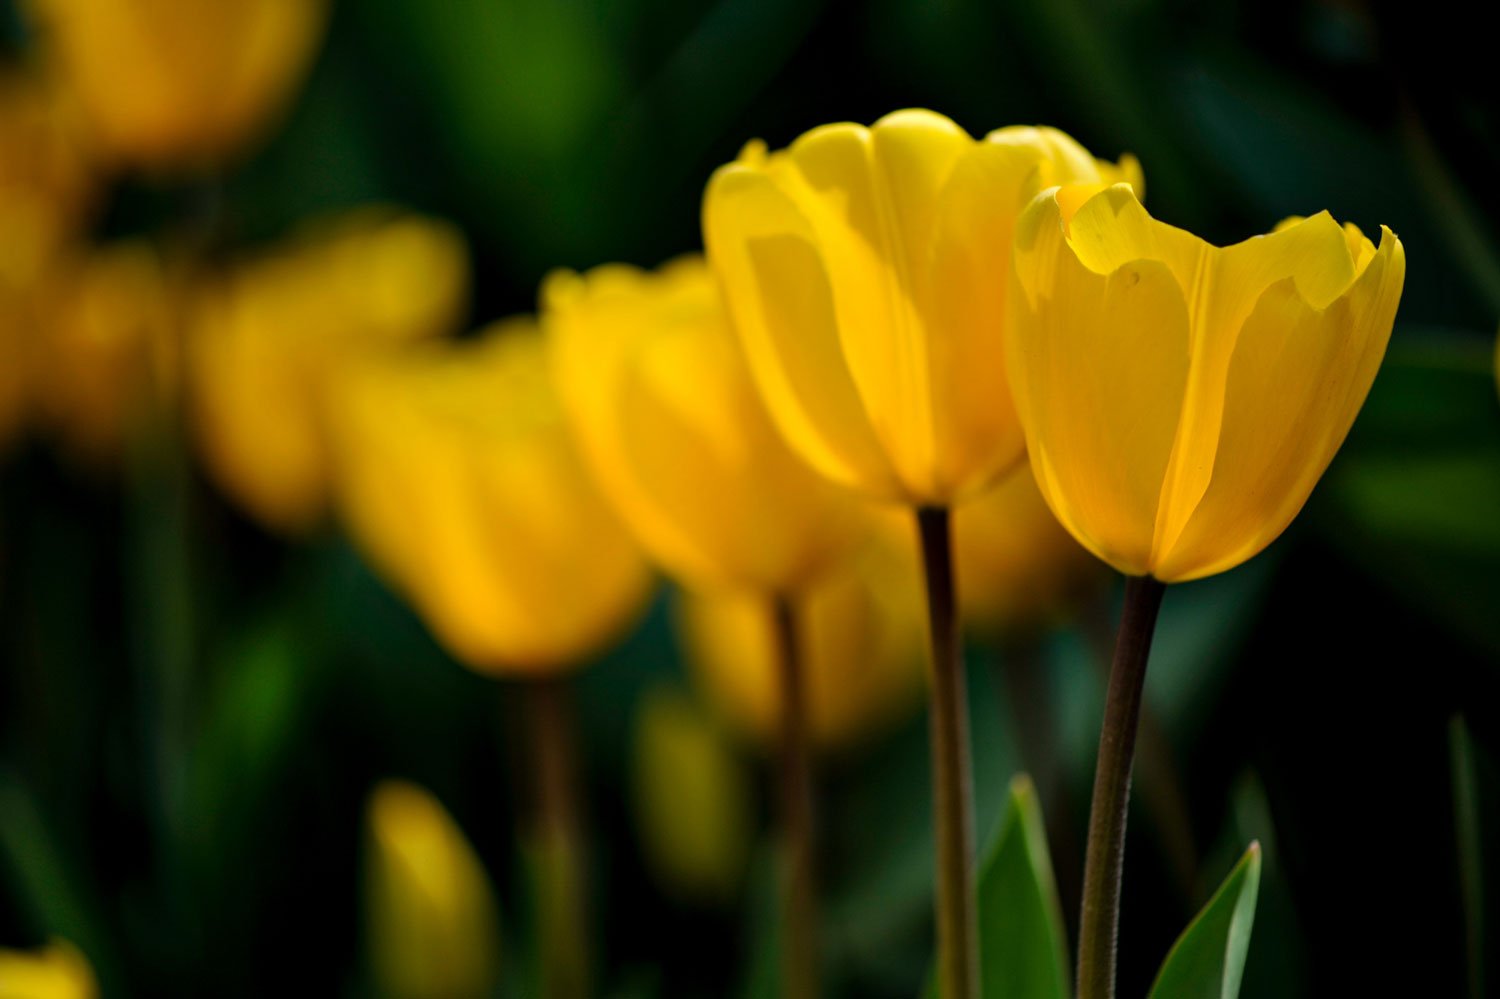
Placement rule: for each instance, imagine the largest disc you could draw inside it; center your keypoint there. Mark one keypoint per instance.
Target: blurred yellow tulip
(1018, 571)
(268, 335)
(107, 348)
(46, 193)
(693, 799)
(666, 412)
(860, 635)
(864, 269)
(458, 477)
(47, 188)
(179, 84)
(433, 921)
(1181, 400)
(57, 971)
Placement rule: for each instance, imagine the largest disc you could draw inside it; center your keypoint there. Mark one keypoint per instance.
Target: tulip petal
(772, 272)
(1314, 255)
(976, 436)
(1098, 364)
(1296, 381)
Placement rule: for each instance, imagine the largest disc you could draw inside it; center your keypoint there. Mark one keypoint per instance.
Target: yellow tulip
(864, 270)
(860, 639)
(457, 476)
(1181, 400)
(433, 921)
(46, 193)
(107, 348)
(667, 414)
(58, 971)
(1018, 570)
(47, 188)
(180, 84)
(693, 799)
(270, 333)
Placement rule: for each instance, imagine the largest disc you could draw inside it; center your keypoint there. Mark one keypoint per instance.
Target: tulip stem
(799, 885)
(562, 918)
(1099, 919)
(953, 793)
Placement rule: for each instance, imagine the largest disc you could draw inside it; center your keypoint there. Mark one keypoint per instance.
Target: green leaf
(1023, 952)
(1023, 946)
(1208, 960)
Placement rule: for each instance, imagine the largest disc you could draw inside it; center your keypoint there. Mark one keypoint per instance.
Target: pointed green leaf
(1023, 951)
(1208, 960)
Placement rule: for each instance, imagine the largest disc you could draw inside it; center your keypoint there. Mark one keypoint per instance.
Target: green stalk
(1099, 921)
(953, 791)
(799, 898)
(562, 916)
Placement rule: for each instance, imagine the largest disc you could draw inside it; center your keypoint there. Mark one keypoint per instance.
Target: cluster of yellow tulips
(911, 362)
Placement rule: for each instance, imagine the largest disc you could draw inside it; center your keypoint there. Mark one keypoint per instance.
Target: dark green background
(181, 793)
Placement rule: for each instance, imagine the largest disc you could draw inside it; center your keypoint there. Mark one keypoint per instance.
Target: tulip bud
(860, 632)
(433, 921)
(693, 800)
(57, 971)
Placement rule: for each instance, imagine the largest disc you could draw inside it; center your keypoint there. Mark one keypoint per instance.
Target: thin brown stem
(799, 899)
(953, 792)
(1099, 918)
(562, 914)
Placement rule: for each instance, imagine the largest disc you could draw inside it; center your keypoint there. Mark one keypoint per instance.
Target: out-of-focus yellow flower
(1181, 400)
(58, 971)
(1018, 570)
(434, 924)
(860, 636)
(107, 348)
(46, 185)
(269, 334)
(180, 84)
(692, 799)
(459, 479)
(864, 269)
(670, 420)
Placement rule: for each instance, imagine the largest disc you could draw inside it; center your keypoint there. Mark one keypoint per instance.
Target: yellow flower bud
(1181, 400)
(46, 185)
(864, 271)
(666, 412)
(180, 84)
(58, 971)
(269, 334)
(1018, 570)
(860, 634)
(458, 478)
(693, 800)
(433, 922)
(107, 348)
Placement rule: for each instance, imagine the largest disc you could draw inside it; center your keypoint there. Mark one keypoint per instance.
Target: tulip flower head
(57, 971)
(433, 920)
(458, 478)
(670, 420)
(180, 84)
(864, 271)
(861, 651)
(270, 334)
(1181, 400)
